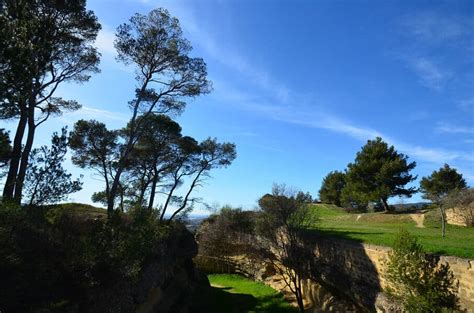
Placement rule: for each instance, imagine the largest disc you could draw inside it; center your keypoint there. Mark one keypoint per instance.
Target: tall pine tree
(380, 172)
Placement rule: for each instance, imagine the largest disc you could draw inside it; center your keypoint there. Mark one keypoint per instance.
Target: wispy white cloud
(467, 104)
(454, 129)
(430, 74)
(319, 120)
(88, 113)
(223, 52)
(427, 35)
(434, 27)
(105, 42)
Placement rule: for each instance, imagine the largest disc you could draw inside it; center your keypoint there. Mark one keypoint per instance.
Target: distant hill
(410, 206)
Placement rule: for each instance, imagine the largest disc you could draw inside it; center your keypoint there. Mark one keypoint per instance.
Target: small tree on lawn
(279, 226)
(437, 187)
(331, 188)
(417, 279)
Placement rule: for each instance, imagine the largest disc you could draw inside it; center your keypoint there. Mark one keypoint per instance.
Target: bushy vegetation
(417, 279)
(54, 257)
(331, 188)
(223, 235)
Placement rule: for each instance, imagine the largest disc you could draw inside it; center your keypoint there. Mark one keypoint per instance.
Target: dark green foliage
(378, 173)
(95, 147)
(5, 149)
(437, 187)
(47, 182)
(353, 200)
(42, 45)
(304, 197)
(211, 155)
(165, 73)
(153, 157)
(331, 188)
(418, 280)
(440, 183)
(54, 259)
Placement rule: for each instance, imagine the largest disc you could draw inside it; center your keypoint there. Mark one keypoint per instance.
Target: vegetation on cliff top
(62, 258)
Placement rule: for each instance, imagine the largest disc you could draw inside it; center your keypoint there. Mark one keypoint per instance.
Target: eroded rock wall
(347, 276)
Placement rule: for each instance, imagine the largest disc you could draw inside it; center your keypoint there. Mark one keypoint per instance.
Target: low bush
(418, 280)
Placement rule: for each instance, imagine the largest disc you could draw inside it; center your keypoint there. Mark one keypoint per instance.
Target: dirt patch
(419, 219)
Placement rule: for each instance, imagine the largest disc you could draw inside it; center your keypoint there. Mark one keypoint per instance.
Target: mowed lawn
(381, 229)
(236, 294)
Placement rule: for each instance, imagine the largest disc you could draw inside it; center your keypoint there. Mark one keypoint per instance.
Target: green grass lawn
(381, 229)
(237, 294)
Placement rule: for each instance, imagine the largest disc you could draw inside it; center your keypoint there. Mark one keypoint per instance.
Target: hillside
(381, 228)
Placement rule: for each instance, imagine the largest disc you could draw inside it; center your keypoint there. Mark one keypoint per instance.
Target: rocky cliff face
(346, 276)
(166, 283)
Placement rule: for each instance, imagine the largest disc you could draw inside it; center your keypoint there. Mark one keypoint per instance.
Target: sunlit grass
(381, 228)
(234, 293)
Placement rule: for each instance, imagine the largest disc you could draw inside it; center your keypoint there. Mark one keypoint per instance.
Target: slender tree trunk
(113, 192)
(443, 222)
(300, 304)
(9, 188)
(299, 295)
(153, 189)
(128, 148)
(186, 197)
(168, 199)
(385, 205)
(170, 194)
(25, 155)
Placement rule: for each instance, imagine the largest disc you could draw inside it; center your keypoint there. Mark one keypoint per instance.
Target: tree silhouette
(43, 44)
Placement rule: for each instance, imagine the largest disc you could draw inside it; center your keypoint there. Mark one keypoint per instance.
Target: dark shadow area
(343, 234)
(343, 268)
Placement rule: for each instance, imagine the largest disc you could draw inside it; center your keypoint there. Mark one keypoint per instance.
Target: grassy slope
(235, 294)
(379, 228)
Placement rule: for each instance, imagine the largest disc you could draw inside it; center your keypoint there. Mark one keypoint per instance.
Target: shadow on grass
(220, 300)
(343, 234)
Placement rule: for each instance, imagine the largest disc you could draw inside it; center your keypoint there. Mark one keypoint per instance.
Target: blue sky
(300, 86)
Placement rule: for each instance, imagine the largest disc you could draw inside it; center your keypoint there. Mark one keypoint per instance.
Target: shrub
(417, 279)
(52, 257)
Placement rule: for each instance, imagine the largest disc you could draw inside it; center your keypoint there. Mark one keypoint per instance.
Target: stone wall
(347, 276)
(455, 217)
(361, 267)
